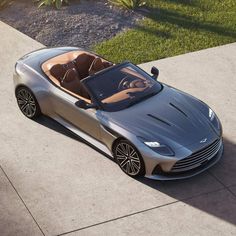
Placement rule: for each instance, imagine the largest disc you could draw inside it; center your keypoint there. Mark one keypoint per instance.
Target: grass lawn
(174, 27)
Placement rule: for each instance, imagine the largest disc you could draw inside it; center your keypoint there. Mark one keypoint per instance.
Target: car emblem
(203, 140)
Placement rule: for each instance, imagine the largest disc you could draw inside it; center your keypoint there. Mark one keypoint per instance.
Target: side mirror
(84, 105)
(155, 72)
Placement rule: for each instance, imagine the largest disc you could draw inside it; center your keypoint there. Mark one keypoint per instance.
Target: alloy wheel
(128, 158)
(26, 102)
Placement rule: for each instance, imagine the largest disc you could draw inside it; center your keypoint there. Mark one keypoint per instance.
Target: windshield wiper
(141, 99)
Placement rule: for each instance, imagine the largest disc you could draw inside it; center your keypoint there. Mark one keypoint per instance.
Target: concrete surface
(14, 217)
(181, 218)
(62, 186)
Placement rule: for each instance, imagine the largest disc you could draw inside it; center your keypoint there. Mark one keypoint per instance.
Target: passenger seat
(71, 82)
(58, 71)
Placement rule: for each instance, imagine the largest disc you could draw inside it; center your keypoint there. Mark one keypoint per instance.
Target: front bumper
(190, 173)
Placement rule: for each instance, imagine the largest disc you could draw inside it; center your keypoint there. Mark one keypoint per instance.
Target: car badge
(203, 140)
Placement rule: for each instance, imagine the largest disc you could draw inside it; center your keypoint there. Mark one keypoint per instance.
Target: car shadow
(57, 127)
(180, 189)
(188, 191)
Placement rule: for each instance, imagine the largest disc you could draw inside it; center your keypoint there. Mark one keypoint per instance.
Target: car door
(64, 105)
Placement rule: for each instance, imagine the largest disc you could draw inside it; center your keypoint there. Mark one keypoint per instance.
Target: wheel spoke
(128, 167)
(121, 159)
(21, 102)
(26, 109)
(122, 164)
(127, 149)
(135, 157)
(120, 156)
(132, 152)
(30, 110)
(121, 151)
(23, 108)
(132, 167)
(20, 96)
(33, 106)
(135, 165)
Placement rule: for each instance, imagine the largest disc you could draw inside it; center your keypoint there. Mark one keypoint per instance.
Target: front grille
(198, 158)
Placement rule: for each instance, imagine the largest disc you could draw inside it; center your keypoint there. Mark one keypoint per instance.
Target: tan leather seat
(71, 82)
(58, 71)
(83, 63)
(96, 66)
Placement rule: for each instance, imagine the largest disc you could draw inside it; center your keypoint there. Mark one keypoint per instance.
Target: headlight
(160, 148)
(153, 144)
(211, 114)
(214, 120)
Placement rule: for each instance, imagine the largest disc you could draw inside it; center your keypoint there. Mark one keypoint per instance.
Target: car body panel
(171, 117)
(173, 126)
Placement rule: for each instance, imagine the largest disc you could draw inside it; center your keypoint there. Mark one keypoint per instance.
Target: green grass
(174, 27)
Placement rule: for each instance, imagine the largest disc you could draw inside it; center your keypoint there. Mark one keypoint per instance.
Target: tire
(27, 103)
(129, 159)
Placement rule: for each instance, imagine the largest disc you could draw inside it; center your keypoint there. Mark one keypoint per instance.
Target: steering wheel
(124, 83)
(127, 83)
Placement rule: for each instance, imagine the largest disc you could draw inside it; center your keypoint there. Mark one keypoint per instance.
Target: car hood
(170, 117)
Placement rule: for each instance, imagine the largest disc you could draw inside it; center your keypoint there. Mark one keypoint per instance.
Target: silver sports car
(150, 129)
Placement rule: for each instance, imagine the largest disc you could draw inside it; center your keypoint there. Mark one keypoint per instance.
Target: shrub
(56, 3)
(130, 4)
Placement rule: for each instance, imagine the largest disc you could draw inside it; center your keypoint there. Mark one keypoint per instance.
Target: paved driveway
(51, 183)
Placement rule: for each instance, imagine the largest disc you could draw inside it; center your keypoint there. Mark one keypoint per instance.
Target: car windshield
(122, 86)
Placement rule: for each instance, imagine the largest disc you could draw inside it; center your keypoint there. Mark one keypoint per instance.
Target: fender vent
(111, 131)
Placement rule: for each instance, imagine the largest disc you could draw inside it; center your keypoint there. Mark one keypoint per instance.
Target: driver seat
(96, 66)
(71, 82)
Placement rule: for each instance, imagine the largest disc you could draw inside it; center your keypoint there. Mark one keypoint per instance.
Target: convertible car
(150, 129)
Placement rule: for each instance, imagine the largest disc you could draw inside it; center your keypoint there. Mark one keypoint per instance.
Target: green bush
(130, 4)
(56, 3)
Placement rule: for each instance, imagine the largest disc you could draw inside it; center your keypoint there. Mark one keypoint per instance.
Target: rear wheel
(27, 103)
(129, 159)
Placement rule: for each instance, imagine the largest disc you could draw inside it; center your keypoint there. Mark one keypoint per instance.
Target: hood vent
(156, 118)
(178, 109)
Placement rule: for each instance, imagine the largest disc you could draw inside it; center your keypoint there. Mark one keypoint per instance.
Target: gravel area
(82, 23)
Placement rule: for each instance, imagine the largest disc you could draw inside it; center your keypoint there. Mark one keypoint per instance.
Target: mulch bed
(82, 23)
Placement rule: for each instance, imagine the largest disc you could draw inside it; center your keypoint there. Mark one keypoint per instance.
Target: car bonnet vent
(156, 118)
(178, 109)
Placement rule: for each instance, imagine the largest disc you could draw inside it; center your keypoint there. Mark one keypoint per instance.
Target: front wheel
(129, 159)
(27, 103)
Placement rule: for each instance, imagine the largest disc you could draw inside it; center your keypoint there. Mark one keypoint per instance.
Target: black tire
(129, 159)
(27, 102)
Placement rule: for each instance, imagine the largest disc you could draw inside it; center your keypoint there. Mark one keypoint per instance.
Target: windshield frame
(86, 81)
